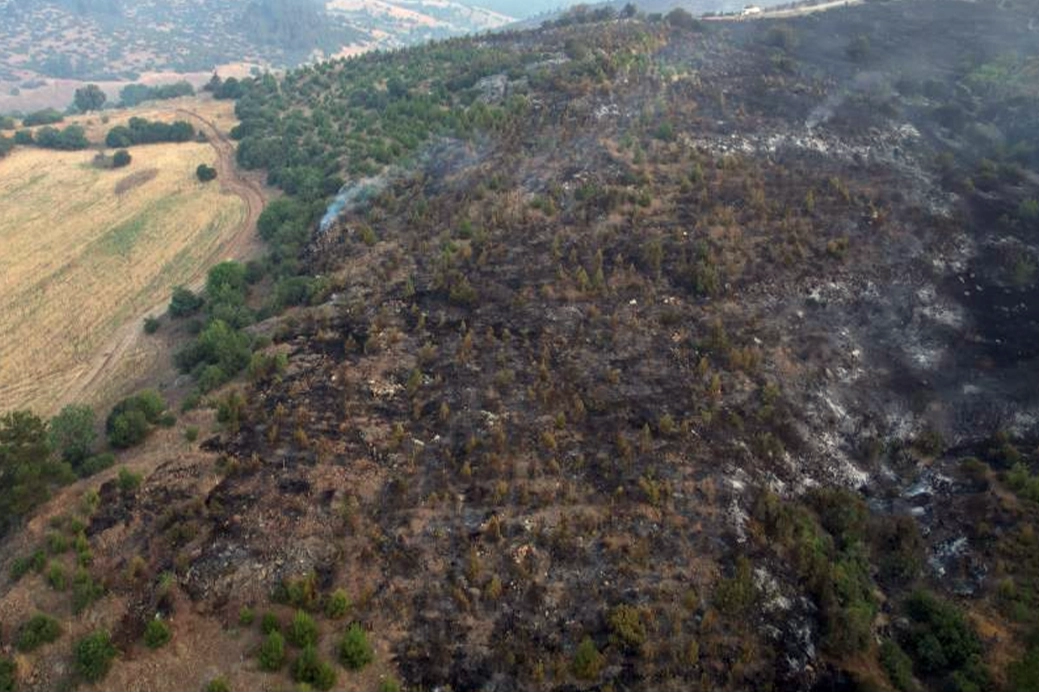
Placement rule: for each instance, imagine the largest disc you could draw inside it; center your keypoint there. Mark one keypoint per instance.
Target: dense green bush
(1023, 482)
(205, 173)
(310, 669)
(8, 675)
(898, 548)
(355, 652)
(128, 481)
(337, 605)
(939, 635)
(57, 543)
(292, 291)
(128, 429)
(72, 435)
(38, 630)
(270, 624)
(157, 633)
(131, 420)
(121, 159)
(56, 577)
(218, 345)
(272, 652)
(37, 561)
(85, 591)
(93, 655)
(941, 641)
(897, 665)
(303, 630)
(222, 349)
(95, 464)
(588, 661)
(681, 19)
(184, 303)
(226, 291)
(825, 542)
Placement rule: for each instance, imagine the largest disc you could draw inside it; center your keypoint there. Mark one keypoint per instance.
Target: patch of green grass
(121, 239)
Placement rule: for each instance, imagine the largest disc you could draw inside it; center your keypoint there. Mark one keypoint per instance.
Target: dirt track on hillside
(787, 13)
(247, 187)
(239, 244)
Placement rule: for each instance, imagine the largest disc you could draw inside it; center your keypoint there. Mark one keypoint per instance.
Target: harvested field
(86, 251)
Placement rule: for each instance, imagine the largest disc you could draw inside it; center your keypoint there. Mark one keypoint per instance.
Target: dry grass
(79, 261)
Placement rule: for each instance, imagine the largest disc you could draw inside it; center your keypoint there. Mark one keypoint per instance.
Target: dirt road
(245, 186)
(239, 244)
(789, 12)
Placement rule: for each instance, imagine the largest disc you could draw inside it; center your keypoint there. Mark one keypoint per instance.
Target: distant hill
(120, 41)
(695, 7)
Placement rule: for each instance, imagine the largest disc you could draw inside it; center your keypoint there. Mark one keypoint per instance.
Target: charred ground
(673, 356)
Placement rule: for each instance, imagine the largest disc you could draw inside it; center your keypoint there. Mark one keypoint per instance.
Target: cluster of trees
(71, 138)
(38, 456)
(230, 88)
(844, 555)
(134, 94)
(222, 349)
(367, 114)
(47, 116)
(28, 470)
(143, 131)
(363, 124)
(355, 652)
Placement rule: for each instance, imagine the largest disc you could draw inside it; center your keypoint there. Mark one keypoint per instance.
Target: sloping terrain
(660, 355)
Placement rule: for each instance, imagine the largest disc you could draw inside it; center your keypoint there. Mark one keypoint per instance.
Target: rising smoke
(351, 196)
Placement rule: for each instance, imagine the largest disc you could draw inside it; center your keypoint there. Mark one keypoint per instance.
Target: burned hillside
(669, 354)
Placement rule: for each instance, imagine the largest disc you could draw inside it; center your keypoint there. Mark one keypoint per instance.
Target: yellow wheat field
(83, 251)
